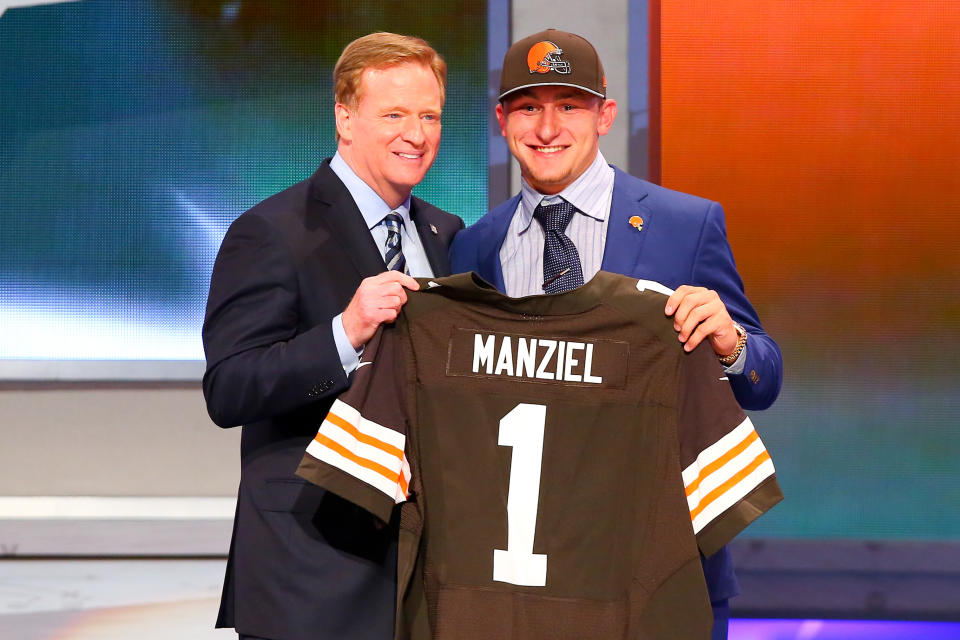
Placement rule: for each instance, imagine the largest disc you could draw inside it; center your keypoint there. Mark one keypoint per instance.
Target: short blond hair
(379, 51)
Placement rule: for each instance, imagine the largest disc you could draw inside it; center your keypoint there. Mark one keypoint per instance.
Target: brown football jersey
(560, 462)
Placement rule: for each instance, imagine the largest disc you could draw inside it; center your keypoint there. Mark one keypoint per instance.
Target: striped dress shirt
(521, 255)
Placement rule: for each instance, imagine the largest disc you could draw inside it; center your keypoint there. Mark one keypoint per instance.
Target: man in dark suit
(576, 214)
(301, 282)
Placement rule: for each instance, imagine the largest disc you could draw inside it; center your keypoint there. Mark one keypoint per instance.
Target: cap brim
(550, 84)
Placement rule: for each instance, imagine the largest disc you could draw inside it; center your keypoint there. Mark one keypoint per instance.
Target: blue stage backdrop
(132, 133)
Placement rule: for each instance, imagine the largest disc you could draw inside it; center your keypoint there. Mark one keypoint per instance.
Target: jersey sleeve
(359, 450)
(728, 476)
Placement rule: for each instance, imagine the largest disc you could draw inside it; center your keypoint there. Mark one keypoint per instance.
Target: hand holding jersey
(699, 313)
(378, 299)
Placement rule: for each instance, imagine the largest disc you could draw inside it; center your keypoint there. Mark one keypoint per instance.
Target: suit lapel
(489, 258)
(624, 242)
(332, 206)
(433, 244)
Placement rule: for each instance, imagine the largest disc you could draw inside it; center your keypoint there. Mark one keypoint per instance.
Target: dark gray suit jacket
(303, 563)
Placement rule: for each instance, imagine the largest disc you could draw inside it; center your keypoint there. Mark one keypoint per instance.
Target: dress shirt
(373, 209)
(521, 254)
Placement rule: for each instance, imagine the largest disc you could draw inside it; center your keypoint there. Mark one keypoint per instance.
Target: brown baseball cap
(552, 57)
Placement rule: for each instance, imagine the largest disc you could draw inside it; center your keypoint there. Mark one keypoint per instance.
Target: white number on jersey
(522, 428)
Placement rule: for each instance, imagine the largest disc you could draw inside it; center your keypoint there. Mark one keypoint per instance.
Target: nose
(413, 132)
(546, 127)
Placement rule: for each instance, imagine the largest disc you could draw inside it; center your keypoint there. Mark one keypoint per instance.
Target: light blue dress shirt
(373, 209)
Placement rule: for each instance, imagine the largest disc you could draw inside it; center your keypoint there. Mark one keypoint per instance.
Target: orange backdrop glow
(830, 132)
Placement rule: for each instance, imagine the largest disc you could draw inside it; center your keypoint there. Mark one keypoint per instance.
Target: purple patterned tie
(561, 262)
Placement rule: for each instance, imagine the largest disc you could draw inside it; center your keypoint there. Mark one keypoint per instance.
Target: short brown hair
(378, 51)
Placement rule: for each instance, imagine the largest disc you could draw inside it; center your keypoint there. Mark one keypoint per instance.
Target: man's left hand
(699, 313)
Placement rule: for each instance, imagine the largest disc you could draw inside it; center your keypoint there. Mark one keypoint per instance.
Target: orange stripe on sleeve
(722, 460)
(362, 437)
(363, 462)
(716, 493)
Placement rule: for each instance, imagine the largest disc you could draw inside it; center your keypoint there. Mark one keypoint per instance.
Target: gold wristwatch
(741, 343)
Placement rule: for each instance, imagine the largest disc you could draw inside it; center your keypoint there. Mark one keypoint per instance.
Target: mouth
(408, 156)
(551, 149)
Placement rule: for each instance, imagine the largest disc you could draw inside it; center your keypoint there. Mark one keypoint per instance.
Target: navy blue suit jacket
(304, 563)
(683, 241)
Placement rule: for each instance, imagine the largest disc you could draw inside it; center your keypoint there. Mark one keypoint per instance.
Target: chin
(549, 180)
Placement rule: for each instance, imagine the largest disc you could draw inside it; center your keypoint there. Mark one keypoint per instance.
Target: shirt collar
(581, 193)
(371, 205)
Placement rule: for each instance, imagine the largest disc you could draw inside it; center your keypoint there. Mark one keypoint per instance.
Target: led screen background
(830, 132)
(132, 133)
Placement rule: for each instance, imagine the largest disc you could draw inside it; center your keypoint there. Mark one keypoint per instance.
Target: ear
(502, 119)
(608, 113)
(343, 115)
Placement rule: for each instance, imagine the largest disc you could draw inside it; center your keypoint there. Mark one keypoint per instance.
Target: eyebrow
(570, 94)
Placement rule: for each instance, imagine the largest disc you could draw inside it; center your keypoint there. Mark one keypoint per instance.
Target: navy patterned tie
(394, 253)
(561, 262)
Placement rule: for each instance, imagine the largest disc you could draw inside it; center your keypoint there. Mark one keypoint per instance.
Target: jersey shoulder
(640, 300)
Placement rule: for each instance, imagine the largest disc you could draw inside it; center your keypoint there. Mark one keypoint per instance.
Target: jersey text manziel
(559, 463)
(535, 358)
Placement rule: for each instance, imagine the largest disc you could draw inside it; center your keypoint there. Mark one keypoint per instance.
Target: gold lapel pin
(636, 222)
(434, 230)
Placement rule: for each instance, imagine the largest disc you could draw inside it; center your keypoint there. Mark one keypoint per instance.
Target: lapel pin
(434, 230)
(636, 222)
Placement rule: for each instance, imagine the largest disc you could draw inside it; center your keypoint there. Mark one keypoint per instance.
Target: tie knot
(393, 222)
(554, 217)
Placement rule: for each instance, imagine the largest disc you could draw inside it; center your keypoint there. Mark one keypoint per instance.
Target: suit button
(319, 388)
(754, 377)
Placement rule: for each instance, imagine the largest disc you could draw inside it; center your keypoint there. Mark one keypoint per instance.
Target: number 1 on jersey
(522, 429)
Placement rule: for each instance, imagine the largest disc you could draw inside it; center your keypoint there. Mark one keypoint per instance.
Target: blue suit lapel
(494, 234)
(624, 243)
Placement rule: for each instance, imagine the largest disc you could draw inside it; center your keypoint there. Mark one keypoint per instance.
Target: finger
(709, 327)
(400, 278)
(674, 300)
(410, 283)
(695, 317)
(394, 290)
(691, 301)
(387, 315)
(391, 302)
(698, 336)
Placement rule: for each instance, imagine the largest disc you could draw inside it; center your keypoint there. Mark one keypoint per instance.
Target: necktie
(394, 253)
(561, 262)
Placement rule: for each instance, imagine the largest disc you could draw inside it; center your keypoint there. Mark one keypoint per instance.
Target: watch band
(741, 343)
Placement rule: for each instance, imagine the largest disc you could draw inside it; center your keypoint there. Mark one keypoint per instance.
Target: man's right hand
(378, 299)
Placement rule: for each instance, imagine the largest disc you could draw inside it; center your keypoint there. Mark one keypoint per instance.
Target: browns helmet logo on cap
(529, 61)
(544, 56)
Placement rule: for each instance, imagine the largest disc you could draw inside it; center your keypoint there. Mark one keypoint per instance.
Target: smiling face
(553, 132)
(392, 137)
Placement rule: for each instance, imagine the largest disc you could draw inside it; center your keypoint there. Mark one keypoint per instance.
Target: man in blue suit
(576, 215)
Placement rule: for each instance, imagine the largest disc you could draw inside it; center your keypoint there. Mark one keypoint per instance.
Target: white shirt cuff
(349, 357)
